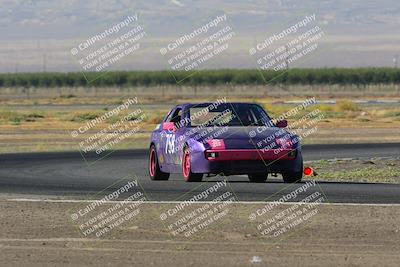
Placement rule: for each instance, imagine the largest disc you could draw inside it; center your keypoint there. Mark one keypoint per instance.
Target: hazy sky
(38, 35)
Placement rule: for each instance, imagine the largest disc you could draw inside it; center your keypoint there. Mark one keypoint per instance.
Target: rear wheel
(188, 175)
(155, 172)
(258, 177)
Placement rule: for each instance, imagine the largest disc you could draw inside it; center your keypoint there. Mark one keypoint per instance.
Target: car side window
(175, 116)
(169, 116)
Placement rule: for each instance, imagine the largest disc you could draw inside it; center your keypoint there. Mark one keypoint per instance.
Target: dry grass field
(43, 119)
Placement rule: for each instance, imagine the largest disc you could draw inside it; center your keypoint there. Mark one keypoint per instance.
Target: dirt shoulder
(43, 234)
(378, 170)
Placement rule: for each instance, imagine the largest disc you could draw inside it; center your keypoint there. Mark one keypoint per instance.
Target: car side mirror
(169, 126)
(281, 124)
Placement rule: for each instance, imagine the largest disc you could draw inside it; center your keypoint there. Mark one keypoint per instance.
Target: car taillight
(216, 144)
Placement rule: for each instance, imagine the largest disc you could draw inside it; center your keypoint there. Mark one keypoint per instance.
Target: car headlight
(216, 144)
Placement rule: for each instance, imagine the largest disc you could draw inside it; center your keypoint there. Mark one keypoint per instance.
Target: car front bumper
(250, 154)
(247, 161)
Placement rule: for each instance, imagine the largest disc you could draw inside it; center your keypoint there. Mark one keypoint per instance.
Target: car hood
(247, 137)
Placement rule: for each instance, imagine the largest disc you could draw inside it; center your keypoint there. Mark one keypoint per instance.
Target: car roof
(212, 103)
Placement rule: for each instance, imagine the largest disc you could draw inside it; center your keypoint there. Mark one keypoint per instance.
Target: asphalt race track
(68, 176)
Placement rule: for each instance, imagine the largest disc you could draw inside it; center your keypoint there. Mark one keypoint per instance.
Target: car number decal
(170, 143)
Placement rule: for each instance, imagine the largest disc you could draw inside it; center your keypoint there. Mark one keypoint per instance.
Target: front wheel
(188, 175)
(155, 172)
(258, 177)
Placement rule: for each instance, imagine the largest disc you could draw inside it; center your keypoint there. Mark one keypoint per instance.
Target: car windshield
(235, 114)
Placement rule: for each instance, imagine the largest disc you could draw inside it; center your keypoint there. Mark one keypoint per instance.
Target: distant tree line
(341, 76)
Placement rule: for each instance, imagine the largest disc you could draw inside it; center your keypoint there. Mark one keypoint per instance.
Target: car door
(180, 137)
(160, 140)
(170, 138)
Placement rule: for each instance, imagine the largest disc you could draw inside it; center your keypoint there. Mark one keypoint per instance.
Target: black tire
(187, 173)
(292, 177)
(156, 174)
(258, 177)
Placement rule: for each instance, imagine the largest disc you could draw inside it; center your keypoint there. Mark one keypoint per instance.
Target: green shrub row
(358, 76)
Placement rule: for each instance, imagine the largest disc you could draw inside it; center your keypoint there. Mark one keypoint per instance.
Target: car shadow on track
(279, 181)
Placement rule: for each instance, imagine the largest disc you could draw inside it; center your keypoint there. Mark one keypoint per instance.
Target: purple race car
(223, 139)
